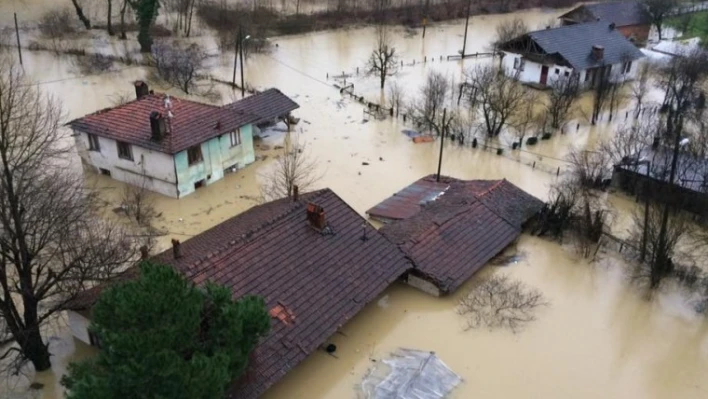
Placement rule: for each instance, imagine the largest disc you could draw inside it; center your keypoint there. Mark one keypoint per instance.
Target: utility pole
(241, 40)
(17, 33)
(425, 18)
(467, 23)
(442, 142)
(236, 51)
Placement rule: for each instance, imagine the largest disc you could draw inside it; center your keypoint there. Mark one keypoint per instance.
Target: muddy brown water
(598, 338)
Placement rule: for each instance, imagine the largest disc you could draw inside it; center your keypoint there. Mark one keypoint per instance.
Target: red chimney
(141, 89)
(316, 217)
(176, 250)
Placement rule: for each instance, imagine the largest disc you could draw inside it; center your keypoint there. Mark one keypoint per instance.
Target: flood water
(598, 338)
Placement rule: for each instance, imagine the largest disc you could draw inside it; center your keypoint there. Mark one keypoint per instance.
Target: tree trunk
(31, 342)
(658, 29)
(383, 79)
(80, 14)
(123, 8)
(189, 19)
(109, 25)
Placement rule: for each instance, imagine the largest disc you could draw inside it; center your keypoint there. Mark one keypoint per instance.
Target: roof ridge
(251, 234)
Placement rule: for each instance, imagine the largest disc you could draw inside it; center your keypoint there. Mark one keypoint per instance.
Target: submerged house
(631, 18)
(451, 228)
(314, 260)
(174, 146)
(584, 51)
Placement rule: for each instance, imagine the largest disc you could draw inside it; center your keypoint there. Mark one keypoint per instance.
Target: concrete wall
(158, 167)
(79, 326)
(423, 285)
(531, 72)
(217, 155)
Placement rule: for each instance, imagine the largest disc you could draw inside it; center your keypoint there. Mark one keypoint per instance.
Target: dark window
(124, 151)
(94, 340)
(235, 137)
(566, 73)
(105, 172)
(194, 154)
(93, 143)
(558, 71)
(626, 67)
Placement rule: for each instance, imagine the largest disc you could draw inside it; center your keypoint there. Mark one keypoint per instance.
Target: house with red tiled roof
(314, 260)
(174, 146)
(451, 228)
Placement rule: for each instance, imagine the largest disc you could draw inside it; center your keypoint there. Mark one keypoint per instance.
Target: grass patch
(691, 25)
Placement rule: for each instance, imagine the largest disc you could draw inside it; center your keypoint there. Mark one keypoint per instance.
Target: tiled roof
(192, 122)
(574, 44)
(621, 13)
(313, 283)
(266, 105)
(451, 238)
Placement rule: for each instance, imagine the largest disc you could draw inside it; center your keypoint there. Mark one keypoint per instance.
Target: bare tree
(500, 302)
(590, 168)
(640, 87)
(396, 97)
(383, 61)
(123, 10)
(526, 120)
(179, 66)
(508, 30)
(564, 92)
(428, 110)
(602, 91)
(658, 10)
(630, 146)
(295, 167)
(497, 95)
(109, 18)
(137, 202)
(80, 14)
(52, 243)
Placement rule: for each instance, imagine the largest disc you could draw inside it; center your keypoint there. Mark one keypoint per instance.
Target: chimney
(296, 193)
(176, 249)
(144, 254)
(316, 217)
(158, 126)
(141, 89)
(598, 52)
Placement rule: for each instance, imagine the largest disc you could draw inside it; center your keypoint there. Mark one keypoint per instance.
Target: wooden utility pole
(17, 34)
(240, 38)
(425, 18)
(442, 143)
(467, 23)
(236, 51)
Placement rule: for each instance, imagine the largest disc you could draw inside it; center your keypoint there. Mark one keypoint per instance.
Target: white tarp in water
(410, 374)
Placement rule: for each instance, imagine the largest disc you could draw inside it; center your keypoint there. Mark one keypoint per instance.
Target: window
(558, 71)
(519, 64)
(566, 73)
(93, 143)
(235, 137)
(94, 340)
(124, 151)
(626, 67)
(194, 154)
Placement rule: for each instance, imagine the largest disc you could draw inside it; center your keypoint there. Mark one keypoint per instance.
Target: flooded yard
(599, 337)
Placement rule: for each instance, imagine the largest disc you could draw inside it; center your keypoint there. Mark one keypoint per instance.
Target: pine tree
(162, 337)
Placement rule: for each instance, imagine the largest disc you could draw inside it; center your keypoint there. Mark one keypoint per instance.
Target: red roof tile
(313, 282)
(192, 122)
(450, 238)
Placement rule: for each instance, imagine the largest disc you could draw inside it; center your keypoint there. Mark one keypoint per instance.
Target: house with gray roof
(630, 17)
(585, 51)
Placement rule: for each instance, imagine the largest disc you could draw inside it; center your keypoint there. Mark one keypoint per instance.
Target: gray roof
(622, 13)
(266, 105)
(574, 44)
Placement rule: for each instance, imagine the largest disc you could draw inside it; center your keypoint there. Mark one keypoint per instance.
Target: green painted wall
(217, 155)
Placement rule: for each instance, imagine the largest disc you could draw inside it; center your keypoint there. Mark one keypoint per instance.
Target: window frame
(128, 153)
(235, 138)
(94, 144)
(195, 158)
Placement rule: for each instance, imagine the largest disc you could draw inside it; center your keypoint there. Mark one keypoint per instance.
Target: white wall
(79, 326)
(157, 166)
(531, 72)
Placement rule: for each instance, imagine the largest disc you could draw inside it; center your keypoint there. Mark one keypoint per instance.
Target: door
(544, 74)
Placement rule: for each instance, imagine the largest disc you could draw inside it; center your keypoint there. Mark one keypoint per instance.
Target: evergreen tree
(162, 337)
(146, 12)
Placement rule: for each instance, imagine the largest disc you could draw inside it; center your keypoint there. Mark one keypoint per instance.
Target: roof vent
(158, 127)
(141, 89)
(598, 52)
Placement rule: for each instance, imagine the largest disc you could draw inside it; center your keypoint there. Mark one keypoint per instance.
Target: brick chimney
(598, 52)
(296, 193)
(141, 89)
(176, 249)
(158, 126)
(316, 217)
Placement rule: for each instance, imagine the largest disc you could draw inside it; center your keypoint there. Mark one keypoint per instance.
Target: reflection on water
(599, 338)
